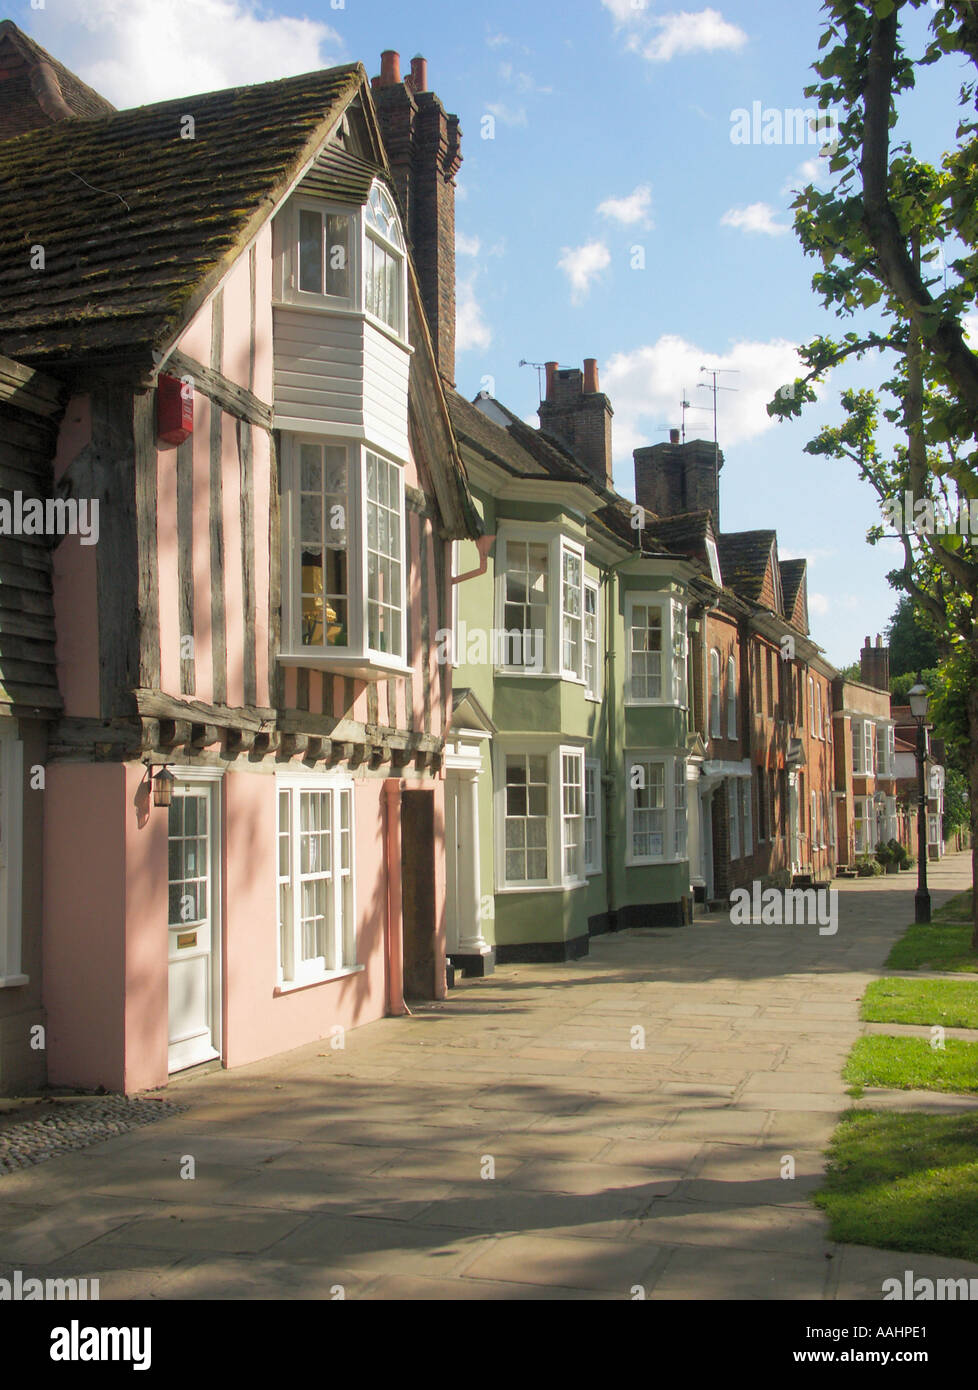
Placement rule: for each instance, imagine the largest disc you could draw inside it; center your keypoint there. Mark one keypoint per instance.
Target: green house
(568, 758)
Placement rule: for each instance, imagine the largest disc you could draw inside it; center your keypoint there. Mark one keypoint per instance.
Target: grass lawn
(904, 1182)
(953, 1003)
(939, 945)
(956, 909)
(912, 1064)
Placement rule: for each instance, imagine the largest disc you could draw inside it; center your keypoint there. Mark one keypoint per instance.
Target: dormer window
(324, 251)
(383, 261)
(341, 258)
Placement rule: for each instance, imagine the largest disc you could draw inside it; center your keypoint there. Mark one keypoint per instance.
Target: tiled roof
(36, 90)
(744, 559)
(139, 224)
(685, 534)
(507, 447)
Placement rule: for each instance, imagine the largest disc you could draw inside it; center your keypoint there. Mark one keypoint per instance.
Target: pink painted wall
(146, 939)
(261, 1022)
(74, 584)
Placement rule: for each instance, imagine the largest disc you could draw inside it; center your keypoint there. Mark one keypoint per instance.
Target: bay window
(383, 261)
(655, 651)
(541, 801)
(592, 817)
(345, 258)
(571, 611)
(525, 603)
(343, 566)
(317, 934)
(592, 646)
(656, 809)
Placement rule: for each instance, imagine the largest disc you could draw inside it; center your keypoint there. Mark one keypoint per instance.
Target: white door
(193, 941)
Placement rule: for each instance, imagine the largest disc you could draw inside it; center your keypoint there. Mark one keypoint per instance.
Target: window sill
(367, 668)
(290, 987)
(11, 981)
(542, 887)
(653, 863)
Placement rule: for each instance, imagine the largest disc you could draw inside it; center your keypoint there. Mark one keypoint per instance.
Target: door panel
(192, 1006)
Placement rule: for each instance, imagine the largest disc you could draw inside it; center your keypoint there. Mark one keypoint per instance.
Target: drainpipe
(608, 780)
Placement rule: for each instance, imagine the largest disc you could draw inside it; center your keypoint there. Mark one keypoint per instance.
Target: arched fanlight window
(382, 216)
(383, 260)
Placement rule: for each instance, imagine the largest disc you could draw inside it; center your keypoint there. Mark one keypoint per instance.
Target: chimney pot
(551, 374)
(867, 642)
(590, 374)
(419, 73)
(390, 67)
(673, 436)
(879, 640)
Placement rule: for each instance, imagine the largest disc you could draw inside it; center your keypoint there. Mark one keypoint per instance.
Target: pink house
(242, 840)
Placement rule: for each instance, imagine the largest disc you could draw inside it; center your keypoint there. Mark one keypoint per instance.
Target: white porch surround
(465, 942)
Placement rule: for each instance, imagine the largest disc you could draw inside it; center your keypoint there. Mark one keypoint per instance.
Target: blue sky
(609, 215)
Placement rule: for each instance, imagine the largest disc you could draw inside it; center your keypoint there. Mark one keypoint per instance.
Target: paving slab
(617, 1172)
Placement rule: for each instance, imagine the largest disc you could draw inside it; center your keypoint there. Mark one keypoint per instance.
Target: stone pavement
(513, 1142)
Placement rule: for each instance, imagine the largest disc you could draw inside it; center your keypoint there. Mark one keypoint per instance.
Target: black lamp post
(918, 708)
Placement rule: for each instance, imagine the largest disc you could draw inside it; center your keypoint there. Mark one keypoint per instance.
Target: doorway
(418, 914)
(193, 926)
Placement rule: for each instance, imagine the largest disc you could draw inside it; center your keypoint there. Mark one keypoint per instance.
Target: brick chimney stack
(874, 664)
(423, 146)
(674, 478)
(579, 414)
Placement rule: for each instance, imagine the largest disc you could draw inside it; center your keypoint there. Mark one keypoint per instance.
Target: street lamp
(918, 708)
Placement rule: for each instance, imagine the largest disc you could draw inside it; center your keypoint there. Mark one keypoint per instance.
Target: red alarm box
(174, 409)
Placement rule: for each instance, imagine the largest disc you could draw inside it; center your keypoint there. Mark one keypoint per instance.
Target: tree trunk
(972, 706)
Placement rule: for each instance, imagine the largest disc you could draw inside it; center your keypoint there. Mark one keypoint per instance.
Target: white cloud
(660, 38)
(509, 115)
(471, 329)
(756, 217)
(522, 81)
(814, 171)
(467, 245)
(970, 325)
(646, 385)
(631, 209)
(818, 604)
(581, 264)
(138, 51)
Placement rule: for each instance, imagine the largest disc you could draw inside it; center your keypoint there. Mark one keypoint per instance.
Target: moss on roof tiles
(130, 214)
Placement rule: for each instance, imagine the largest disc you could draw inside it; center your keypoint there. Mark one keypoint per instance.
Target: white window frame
(570, 550)
(11, 855)
(572, 758)
(287, 246)
(811, 706)
(668, 761)
(731, 697)
(673, 652)
(714, 693)
(345, 943)
(713, 557)
(527, 535)
(733, 817)
(593, 691)
(555, 834)
(592, 793)
(357, 652)
(815, 836)
(291, 293)
(858, 748)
